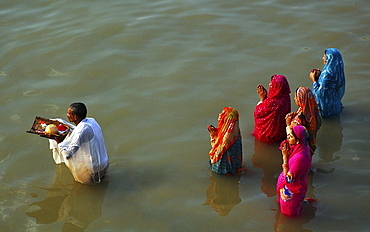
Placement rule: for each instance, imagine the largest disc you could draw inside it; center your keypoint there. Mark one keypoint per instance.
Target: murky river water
(155, 74)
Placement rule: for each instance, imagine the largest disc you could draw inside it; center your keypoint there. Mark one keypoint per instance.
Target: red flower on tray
(61, 127)
(43, 124)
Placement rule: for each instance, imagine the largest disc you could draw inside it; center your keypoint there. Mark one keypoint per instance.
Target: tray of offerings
(49, 128)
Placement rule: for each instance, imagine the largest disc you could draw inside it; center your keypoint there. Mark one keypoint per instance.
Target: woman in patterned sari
(269, 115)
(306, 115)
(226, 154)
(292, 183)
(329, 85)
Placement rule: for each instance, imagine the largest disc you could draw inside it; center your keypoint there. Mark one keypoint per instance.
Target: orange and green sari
(307, 115)
(226, 153)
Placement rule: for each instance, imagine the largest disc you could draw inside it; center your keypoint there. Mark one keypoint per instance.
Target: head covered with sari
(292, 184)
(334, 69)
(301, 134)
(269, 115)
(278, 87)
(308, 107)
(330, 87)
(227, 133)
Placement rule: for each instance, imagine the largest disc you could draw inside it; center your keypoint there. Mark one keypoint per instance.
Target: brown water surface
(155, 74)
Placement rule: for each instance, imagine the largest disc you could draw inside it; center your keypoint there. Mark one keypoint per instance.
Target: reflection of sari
(267, 157)
(330, 139)
(284, 223)
(226, 153)
(308, 115)
(292, 187)
(223, 193)
(269, 115)
(329, 88)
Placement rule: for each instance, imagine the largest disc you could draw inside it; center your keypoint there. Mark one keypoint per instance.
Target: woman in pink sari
(292, 183)
(269, 115)
(306, 115)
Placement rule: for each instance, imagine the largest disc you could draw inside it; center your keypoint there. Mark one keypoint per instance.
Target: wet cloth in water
(292, 187)
(85, 146)
(330, 87)
(226, 154)
(269, 115)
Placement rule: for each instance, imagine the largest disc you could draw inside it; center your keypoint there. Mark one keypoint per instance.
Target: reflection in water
(284, 223)
(329, 141)
(268, 158)
(223, 193)
(73, 203)
(310, 188)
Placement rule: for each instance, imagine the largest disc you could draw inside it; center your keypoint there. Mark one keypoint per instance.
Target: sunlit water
(155, 74)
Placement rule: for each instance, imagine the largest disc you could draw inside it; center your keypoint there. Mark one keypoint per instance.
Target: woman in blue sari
(329, 84)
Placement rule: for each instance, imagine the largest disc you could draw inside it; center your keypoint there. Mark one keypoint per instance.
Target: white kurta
(87, 147)
(57, 155)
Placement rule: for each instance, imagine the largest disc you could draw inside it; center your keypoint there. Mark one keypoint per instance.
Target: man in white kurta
(83, 151)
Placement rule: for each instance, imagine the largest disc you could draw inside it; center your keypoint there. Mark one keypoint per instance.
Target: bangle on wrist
(284, 165)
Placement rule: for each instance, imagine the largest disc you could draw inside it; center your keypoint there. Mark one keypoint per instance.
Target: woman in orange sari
(306, 115)
(226, 154)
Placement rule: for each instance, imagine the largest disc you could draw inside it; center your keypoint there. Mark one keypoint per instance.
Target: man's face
(71, 117)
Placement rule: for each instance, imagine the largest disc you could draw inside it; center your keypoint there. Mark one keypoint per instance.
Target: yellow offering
(51, 129)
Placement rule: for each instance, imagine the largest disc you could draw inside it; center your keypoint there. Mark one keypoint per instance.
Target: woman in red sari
(269, 115)
(306, 115)
(292, 183)
(226, 154)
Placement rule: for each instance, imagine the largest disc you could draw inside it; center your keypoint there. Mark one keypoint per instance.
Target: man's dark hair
(79, 109)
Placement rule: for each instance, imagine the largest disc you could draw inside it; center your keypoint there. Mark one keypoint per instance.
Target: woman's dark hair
(79, 109)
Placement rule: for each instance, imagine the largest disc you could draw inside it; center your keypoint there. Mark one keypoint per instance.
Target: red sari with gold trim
(269, 115)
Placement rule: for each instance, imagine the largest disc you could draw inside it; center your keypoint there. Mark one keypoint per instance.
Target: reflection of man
(83, 151)
(70, 202)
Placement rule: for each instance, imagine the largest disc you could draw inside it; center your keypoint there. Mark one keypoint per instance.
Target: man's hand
(58, 139)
